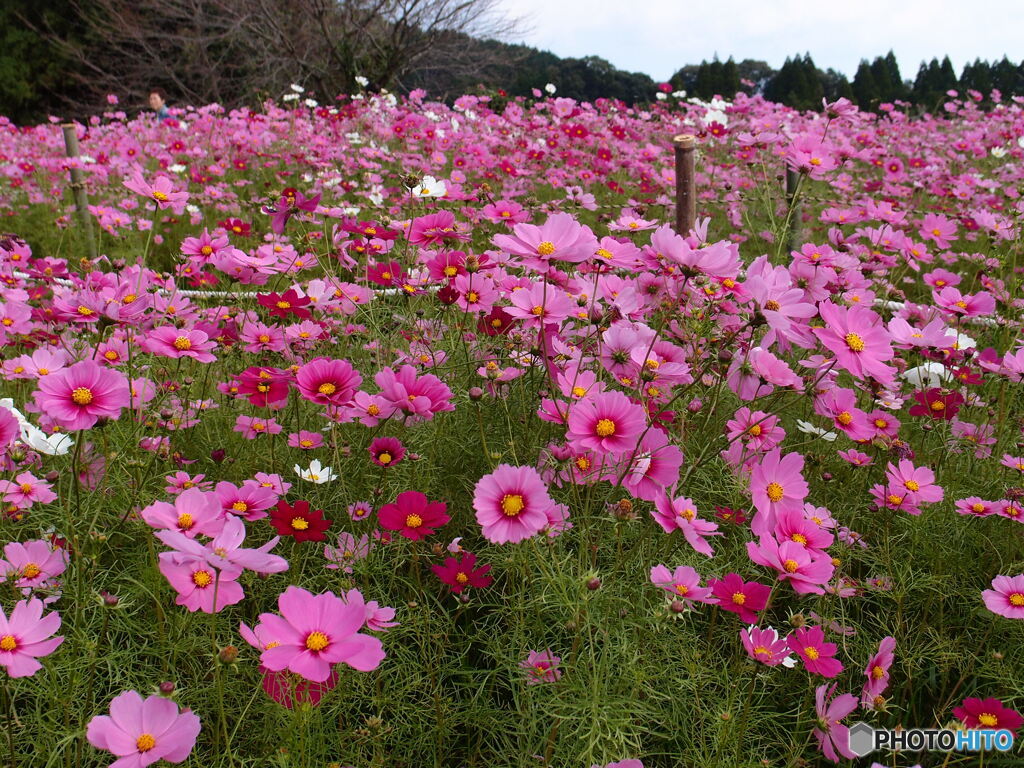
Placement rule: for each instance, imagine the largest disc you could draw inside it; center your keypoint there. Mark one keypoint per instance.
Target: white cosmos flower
(807, 428)
(52, 445)
(311, 103)
(550, 88)
(362, 81)
(317, 473)
(290, 97)
(430, 187)
(998, 152)
(927, 376)
(297, 88)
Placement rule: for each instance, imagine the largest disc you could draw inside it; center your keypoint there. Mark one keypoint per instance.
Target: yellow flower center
(739, 598)
(912, 485)
(604, 253)
(306, 443)
(977, 508)
(844, 418)
(760, 650)
(881, 423)
(81, 395)
(162, 197)
(206, 250)
(790, 566)
(299, 524)
(284, 305)
(799, 538)
(512, 504)
(755, 430)
(605, 428)
(546, 248)
(895, 500)
(263, 338)
(877, 672)
(84, 311)
(1017, 600)
(240, 506)
(937, 405)
(682, 589)
(989, 721)
(854, 342)
(146, 742)
(8, 643)
(110, 354)
(461, 577)
(182, 343)
(772, 305)
(31, 570)
(384, 458)
(327, 388)
(775, 492)
(317, 641)
(185, 521)
(413, 521)
(812, 653)
(25, 487)
(202, 579)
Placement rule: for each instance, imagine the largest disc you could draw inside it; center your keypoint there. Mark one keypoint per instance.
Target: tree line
(61, 57)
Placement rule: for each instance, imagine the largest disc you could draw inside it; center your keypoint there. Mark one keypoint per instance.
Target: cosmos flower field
(393, 433)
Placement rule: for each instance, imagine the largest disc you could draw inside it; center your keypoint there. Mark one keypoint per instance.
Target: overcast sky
(659, 36)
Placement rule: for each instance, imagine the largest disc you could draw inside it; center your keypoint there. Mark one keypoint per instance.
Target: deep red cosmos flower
(413, 516)
(285, 304)
(235, 226)
(299, 521)
(460, 573)
(937, 404)
(386, 451)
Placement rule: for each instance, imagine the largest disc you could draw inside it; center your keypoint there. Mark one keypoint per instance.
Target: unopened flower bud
(166, 688)
(228, 654)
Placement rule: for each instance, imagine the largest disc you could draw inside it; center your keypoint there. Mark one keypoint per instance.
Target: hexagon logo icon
(862, 739)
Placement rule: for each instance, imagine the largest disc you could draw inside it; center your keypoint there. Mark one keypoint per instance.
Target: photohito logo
(864, 739)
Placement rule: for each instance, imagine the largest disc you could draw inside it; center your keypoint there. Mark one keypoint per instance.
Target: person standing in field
(158, 103)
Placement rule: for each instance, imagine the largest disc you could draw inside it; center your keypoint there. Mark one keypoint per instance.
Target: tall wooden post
(78, 187)
(795, 214)
(686, 186)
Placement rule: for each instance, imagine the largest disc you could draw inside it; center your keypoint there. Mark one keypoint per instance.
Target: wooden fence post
(686, 189)
(77, 186)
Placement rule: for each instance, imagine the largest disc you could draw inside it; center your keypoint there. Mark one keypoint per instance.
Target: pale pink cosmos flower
(683, 583)
(541, 667)
(225, 551)
(766, 646)
(858, 339)
(250, 501)
(805, 569)
(193, 513)
(26, 636)
(143, 731)
(833, 737)
(560, 238)
(161, 191)
(877, 673)
(80, 395)
(315, 632)
(200, 586)
(168, 341)
(25, 490)
(680, 513)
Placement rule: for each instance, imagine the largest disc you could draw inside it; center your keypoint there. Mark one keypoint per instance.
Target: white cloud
(659, 36)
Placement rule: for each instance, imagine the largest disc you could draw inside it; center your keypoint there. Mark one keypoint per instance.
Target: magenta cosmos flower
(988, 713)
(541, 667)
(606, 422)
(79, 396)
(315, 632)
(818, 656)
(413, 516)
(859, 340)
(328, 382)
(560, 238)
(765, 646)
(27, 636)
(512, 504)
(741, 597)
(142, 731)
(877, 673)
(1006, 596)
(776, 485)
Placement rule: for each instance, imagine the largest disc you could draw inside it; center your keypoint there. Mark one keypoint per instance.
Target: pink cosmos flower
(859, 340)
(418, 396)
(683, 583)
(833, 737)
(512, 504)
(168, 341)
(805, 569)
(386, 451)
(328, 382)
(988, 713)
(225, 551)
(305, 440)
(413, 516)
(160, 191)
(776, 483)
(80, 395)
(606, 422)
(143, 731)
(32, 565)
(654, 467)
(251, 427)
(915, 484)
(680, 513)
(766, 646)
(560, 238)
(541, 667)
(818, 656)
(436, 229)
(738, 596)
(27, 636)
(200, 586)
(877, 673)
(1006, 596)
(315, 632)
(250, 501)
(193, 513)
(348, 550)
(951, 301)
(26, 490)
